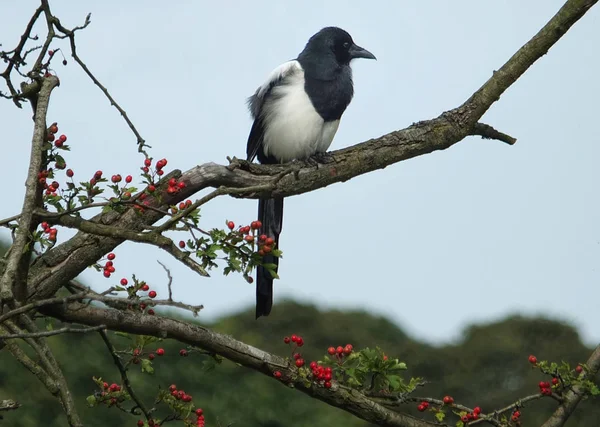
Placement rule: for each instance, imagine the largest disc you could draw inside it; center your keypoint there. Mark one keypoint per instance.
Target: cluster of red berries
(423, 406)
(179, 394)
(265, 243)
(175, 186)
(200, 420)
(108, 395)
(118, 178)
(299, 342)
(448, 400)
(339, 352)
(97, 177)
(49, 187)
(109, 267)
(159, 166)
(545, 387)
(515, 416)
(471, 416)
(321, 374)
(50, 231)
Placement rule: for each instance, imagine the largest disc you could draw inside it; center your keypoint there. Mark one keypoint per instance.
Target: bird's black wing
(257, 101)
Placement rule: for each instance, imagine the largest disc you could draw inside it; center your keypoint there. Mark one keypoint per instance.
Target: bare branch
(60, 331)
(170, 280)
(8, 405)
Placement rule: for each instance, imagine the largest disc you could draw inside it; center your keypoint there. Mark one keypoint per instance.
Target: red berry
(421, 408)
(54, 127)
(286, 340)
(448, 400)
(327, 384)
(579, 369)
(161, 352)
(277, 374)
(152, 294)
(151, 188)
(55, 185)
(128, 179)
(555, 381)
(297, 356)
(70, 173)
(300, 362)
(98, 175)
(340, 350)
(151, 356)
(181, 185)
(44, 225)
(348, 349)
(187, 398)
(249, 238)
(313, 365)
(172, 182)
(230, 225)
(269, 241)
(111, 256)
(532, 359)
(140, 423)
(262, 237)
(516, 414)
(425, 404)
(294, 338)
(147, 162)
(106, 272)
(199, 412)
(515, 419)
(145, 287)
(62, 138)
(300, 342)
(255, 225)
(477, 410)
(172, 387)
(160, 172)
(331, 350)
(181, 244)
(464, 419)
(183, 352)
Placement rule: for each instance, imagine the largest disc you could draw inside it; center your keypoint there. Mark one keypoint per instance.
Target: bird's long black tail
(270, 213)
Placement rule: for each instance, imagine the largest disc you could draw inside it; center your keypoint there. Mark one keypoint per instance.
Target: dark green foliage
(488, 368)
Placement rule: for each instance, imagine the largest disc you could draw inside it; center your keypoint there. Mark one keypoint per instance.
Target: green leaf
(440, 415)
(147, 366)
(91, 400)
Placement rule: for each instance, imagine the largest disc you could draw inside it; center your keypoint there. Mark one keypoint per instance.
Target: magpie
(296, 114)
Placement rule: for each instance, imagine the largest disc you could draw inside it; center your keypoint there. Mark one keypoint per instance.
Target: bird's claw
(320, 158)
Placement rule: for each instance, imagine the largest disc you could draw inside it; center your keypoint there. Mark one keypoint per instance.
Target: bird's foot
(320, 158)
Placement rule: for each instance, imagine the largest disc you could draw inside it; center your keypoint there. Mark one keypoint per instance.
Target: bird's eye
(346, 45)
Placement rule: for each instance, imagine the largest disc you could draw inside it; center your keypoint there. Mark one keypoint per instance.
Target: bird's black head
(333, 44)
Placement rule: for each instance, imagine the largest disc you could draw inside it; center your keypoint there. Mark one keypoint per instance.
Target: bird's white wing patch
(278, 74)
(256, 101)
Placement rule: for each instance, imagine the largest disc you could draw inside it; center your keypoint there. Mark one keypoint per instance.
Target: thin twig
(488, 132)
(124, 376)
(52, 333)
(170, 279)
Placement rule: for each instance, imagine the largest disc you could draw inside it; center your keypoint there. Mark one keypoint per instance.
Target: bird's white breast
(294, 129)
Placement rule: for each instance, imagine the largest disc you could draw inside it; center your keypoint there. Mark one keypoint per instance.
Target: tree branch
(17, 265)
(124, 376)
(350, 400)
(574, 396)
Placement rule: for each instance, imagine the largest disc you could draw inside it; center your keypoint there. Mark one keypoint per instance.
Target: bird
(296, 114)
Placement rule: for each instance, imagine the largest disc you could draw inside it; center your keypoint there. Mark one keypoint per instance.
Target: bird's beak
(359, 52)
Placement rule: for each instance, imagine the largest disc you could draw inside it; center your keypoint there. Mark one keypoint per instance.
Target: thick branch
(18, 260)
(236, 351)
(574, 396)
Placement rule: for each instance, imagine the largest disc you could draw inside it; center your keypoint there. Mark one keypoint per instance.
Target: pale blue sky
(465, 235)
